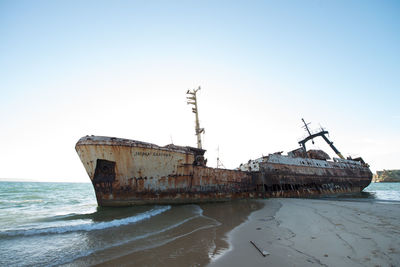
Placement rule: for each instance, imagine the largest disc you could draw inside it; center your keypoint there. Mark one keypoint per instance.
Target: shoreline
(293, 232)
(194, 243)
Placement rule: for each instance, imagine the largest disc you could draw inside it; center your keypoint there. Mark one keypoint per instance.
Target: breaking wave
(197, 212)
(88, 226)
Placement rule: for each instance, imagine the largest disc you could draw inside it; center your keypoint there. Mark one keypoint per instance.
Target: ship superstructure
(305, 172)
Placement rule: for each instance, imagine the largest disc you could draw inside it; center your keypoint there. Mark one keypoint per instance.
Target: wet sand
(294, 232)
(194, 243)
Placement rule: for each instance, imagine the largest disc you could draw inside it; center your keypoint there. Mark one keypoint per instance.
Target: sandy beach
(306, 232)
(291, 232)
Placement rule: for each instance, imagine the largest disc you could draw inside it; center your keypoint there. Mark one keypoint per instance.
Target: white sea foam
(88, 226)
(198, 212)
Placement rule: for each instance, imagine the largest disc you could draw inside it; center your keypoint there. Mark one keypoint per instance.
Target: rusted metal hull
(127, 172)
(283, 176)
(200, 184)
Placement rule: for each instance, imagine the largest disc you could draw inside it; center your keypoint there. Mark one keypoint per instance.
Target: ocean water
(384, 192)
(47, 224)
(51, 224)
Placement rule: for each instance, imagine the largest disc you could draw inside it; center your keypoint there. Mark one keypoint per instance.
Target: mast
(306, 127)
(321, 133)
(192, 100)
(219, 162)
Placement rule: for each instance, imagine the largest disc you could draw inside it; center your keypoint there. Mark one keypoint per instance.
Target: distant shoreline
(387, 176)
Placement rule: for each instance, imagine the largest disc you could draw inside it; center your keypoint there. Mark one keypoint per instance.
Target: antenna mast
(192, 100)
(219, 162)
(306, 127)
(321, 133)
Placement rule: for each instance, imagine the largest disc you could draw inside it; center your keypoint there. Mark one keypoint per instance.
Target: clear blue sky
(121, 68)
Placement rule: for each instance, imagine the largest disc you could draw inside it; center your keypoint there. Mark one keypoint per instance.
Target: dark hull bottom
(283, 191)
(310, 191)
(178, 198)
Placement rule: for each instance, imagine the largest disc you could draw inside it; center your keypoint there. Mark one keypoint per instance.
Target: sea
(52, 224)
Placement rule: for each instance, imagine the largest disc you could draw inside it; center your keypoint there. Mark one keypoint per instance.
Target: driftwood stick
(264, 253)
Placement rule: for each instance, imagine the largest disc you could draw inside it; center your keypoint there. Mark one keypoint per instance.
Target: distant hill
(388, 176)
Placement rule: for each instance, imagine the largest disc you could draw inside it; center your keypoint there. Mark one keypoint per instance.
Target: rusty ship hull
(284, 176)
(127, 172)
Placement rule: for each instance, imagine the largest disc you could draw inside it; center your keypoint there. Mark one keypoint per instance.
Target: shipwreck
(127, 172)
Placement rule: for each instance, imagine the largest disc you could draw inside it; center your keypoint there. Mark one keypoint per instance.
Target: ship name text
(154, 154)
